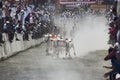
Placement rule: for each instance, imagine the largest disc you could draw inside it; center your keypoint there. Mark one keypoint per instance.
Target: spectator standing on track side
(1, 22)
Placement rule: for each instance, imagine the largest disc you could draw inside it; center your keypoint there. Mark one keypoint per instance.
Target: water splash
(89, 34)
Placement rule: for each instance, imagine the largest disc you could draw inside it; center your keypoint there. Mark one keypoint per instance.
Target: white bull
(68, 46)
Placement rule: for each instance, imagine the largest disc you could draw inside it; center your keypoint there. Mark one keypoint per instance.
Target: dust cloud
(89, 33)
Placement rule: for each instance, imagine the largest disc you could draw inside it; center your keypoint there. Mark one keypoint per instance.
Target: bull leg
(74, 51)
(53, 52)
(69, 54)
(47, 51)
(66, 53)
(58, 54)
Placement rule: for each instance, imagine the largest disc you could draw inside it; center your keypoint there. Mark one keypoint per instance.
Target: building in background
(108, 1)
(75, 4)
(30, 1)
(70, 2)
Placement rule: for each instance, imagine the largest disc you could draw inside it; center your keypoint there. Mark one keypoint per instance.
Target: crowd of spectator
(114, 42)
(25, 19)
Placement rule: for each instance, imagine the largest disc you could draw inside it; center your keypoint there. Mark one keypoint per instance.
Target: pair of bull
(57, 45)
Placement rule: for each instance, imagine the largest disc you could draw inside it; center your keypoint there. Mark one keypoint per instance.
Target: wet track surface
(35, 65)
